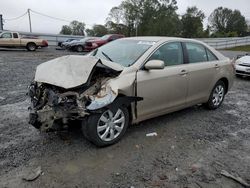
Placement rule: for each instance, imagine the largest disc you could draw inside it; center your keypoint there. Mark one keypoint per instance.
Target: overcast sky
(89, 11)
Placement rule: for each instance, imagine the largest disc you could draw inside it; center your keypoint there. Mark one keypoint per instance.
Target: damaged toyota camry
(125, 82)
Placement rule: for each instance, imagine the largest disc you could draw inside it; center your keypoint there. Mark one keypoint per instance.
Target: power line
(11, 19)
(41, 14)
(60, 19)
(55, 18)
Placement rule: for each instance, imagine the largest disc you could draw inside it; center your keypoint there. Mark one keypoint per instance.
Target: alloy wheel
(110, 125)
(218, 95)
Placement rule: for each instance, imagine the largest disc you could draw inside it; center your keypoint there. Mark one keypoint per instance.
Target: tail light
(45, 43)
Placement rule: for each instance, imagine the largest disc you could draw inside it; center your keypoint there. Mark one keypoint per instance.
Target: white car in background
(242, 66)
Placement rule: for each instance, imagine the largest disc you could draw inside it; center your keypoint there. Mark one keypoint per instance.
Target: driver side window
(6, 35)
(170, 53)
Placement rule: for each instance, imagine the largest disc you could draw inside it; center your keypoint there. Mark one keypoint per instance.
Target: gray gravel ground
(192, 146)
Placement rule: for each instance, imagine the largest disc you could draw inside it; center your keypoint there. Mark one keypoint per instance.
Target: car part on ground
(128, 80)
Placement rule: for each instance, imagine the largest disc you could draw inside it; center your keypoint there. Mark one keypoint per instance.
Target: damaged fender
(107, 96)
(112, 89)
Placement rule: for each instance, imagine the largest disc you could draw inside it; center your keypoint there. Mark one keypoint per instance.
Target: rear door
(202, 69)
(164, 89)
(15, 40)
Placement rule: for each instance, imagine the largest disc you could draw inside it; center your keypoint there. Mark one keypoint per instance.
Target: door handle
(183, 73)
(216, 66)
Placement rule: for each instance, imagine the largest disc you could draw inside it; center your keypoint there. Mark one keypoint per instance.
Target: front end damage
(53, 105)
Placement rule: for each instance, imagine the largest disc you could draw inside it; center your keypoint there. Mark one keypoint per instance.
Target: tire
(31, 46)
(109, 132)
(217, 96)
(79, 48)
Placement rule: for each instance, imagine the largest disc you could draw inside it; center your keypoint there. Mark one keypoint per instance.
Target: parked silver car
(79, 46)
(125, 82)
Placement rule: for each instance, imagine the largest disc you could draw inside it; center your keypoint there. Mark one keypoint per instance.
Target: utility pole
(136, 27)
(1, 22)
(29, 20)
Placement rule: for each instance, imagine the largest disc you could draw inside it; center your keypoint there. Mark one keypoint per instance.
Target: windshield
(87, 39)
(83, 40)
(123, 52)
(76, 40)
(69, 40)
(105, 37)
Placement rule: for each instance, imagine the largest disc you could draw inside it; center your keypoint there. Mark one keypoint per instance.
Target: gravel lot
(191, 149)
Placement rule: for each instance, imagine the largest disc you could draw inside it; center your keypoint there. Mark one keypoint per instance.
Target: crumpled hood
(70, 71)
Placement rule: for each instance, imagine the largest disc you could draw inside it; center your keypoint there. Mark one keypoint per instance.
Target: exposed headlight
(105, 97)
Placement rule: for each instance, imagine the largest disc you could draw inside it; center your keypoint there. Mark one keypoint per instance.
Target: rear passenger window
(196, 53)
(15, 35)
(170, 53)
(211, 56)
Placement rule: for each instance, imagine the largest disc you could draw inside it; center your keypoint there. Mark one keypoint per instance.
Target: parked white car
(242, 66)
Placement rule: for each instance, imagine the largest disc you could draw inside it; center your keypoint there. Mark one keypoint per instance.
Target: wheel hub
(110, 125)
(218, 95)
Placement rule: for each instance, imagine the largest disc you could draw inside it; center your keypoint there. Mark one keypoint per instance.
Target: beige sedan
(125, 82)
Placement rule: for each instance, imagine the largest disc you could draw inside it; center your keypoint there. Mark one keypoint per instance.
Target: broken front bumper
(51, 107)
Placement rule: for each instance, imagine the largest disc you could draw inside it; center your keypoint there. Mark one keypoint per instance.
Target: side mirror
(154, 65)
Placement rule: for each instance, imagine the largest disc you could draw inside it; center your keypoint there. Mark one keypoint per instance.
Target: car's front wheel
(79, 48)
(107, 127)
(217, 96)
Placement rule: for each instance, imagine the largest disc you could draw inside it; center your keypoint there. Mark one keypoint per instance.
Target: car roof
(158, 39)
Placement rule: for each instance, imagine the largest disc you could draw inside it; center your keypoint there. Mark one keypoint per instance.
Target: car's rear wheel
(79, 48)
(107, 127)
(217, 96)
(31, 46)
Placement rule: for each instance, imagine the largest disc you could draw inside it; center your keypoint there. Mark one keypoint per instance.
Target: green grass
(240, 48)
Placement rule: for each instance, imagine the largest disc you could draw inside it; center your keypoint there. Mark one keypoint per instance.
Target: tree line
(160, 18)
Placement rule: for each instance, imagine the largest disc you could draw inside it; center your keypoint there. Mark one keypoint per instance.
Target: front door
(163, 89)
(6, 39)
